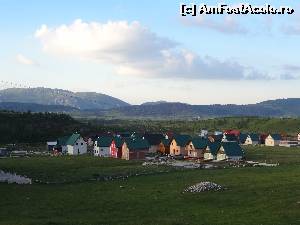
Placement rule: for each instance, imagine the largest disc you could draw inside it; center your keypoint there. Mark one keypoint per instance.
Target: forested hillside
(35, 127)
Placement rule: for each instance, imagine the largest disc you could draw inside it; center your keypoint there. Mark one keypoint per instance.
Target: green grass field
(254, 195)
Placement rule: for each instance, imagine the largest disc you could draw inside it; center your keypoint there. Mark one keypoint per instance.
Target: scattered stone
(13, 178)
(204, 186)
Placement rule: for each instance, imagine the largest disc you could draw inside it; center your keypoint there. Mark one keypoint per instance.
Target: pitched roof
(217, 137)
(137, 144)
(199, 142)
(243, 137)
(276, 136)
(254, 137)
(153, 139)
(68, 140)
(104, 141)
(182, 140)
(233, 149)
(214, 147)
(119, 142)
(166, 142)
(230, 137)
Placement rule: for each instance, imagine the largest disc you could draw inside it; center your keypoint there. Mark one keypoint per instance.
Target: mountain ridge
(92, 103)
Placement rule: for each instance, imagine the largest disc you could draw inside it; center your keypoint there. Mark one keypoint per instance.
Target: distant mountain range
(91, 103)
(47, 96)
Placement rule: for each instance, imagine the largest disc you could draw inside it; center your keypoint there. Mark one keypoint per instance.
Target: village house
(154, 141)
(72, 145)
(135, 148)
(273, 140)
(230, 151)
(252, 139)
(164, 146)
(211, 150)
(180, 145)
(199, 145)
(105, 147)
(299, 137)
(119, 143)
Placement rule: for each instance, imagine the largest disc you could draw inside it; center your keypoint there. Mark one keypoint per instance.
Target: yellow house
(181, 145)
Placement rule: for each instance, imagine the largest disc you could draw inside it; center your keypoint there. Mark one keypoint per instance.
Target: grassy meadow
(254, 195)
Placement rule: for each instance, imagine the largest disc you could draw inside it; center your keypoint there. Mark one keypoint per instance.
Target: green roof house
(211, 150)
(230, 151)
(135, 148)
(72, 145)
(199, 146)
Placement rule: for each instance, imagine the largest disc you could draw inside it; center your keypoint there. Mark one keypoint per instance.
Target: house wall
(221, 155)
(299, 137)
(208, 156)
(249, 141)
(188, 150)
(79, 148)
(125, 152)
(153, 148)
(271, 142)
(137, 154)
(174, 148)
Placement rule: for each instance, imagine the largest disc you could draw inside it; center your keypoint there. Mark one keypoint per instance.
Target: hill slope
(33, 107)
(272, 108)
(48, 96)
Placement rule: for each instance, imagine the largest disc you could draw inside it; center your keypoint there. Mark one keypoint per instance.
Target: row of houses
(138, 147)
(220, 145)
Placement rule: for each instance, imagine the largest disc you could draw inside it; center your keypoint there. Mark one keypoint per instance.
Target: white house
(105, 147)
(252, 139)
(72, 145)
(299, 137)
(273, 140)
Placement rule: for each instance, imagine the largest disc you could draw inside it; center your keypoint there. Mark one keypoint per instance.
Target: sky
(142, 51)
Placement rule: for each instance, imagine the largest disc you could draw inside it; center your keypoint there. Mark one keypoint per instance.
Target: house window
(81, 143)
(101, 150)
(76, 143)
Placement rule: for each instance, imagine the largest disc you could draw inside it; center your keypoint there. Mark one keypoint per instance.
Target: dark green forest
(27, 127)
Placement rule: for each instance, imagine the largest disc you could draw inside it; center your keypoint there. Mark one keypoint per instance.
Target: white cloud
(24, 60)
(226, 24)
(135, 50)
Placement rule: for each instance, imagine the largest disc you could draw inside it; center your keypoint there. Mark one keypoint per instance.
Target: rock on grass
(204, 186)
